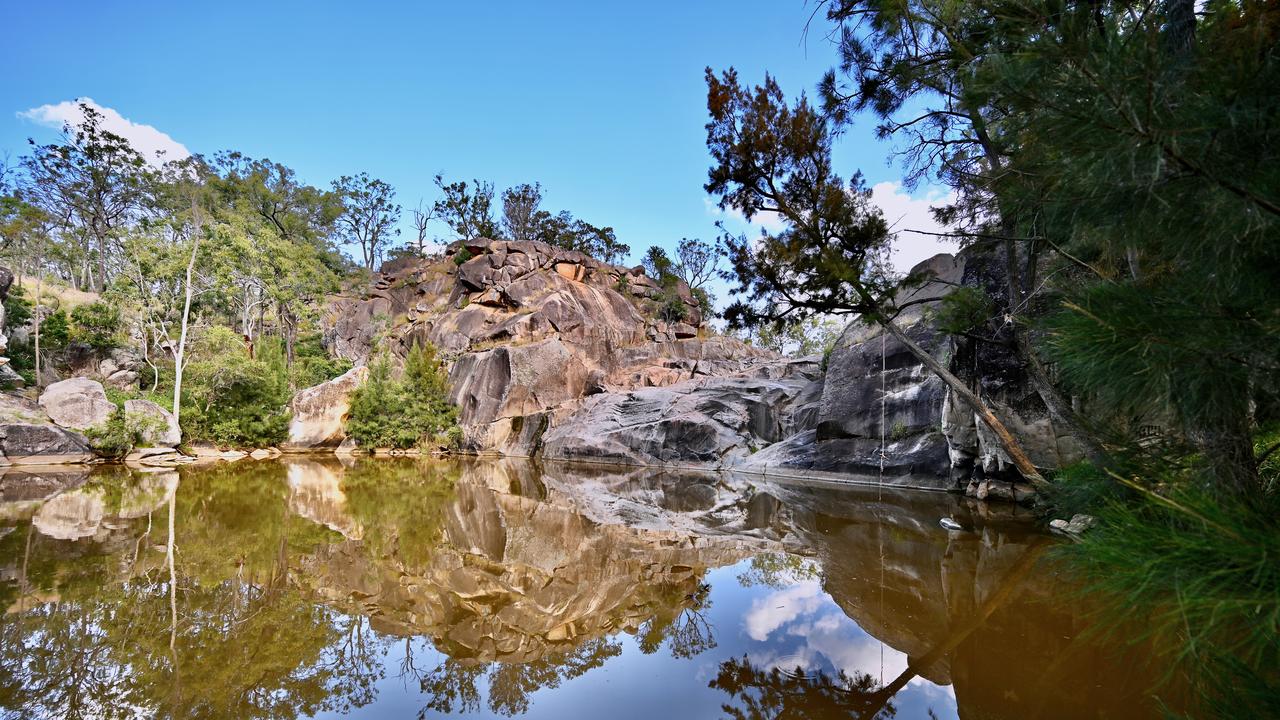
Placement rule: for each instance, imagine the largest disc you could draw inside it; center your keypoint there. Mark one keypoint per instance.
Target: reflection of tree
(400, 505)
(682, 625)
(759, 694)
(452, 685)
(248, 643)
(779, 570)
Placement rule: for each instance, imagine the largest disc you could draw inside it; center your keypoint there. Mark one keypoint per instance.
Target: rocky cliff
(557, 355)
(539, 338)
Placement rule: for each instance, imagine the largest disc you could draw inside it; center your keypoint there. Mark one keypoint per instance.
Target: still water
(415, 588)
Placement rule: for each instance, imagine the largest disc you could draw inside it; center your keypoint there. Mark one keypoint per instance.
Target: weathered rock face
(158, 427)
(529, 329)
(78, 404)
(707, 422)
(28, 438)
(320, 412)
(875, 391)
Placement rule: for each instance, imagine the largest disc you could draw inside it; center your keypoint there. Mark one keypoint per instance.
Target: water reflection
(418, 588)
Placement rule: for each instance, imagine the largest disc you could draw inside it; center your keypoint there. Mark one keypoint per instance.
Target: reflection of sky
(798, 624)
(801, 627)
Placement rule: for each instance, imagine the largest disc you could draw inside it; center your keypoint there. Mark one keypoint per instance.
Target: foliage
(115, 438)
(963, 310)
(461, 256)
(1203, 569)
(814, 335)
(771, 157)
(565, 231)
(17, 308)
(231, 399)
(313, 364)
(520, 211)
(96, 324)
(369, 216)
(410, 411)
(467, 209)
(55, 330)
(756, 693)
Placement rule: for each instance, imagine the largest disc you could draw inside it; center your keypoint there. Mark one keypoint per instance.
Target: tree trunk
(39, 288)
(180, 355)
(1007, 441)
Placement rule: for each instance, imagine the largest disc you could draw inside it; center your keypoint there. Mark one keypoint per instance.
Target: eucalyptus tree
(94, 184)
(520, 205)
(369, 215)
(466, 209)
(291, 228)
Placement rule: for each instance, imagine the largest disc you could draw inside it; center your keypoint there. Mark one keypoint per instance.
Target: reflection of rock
(78, 404)
(517, 577)
(71, 515)
(918, 588)
(22, 492)
(320, 412)
(315, 493)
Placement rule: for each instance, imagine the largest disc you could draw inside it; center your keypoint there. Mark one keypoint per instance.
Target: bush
(229, 398)
(413, 411)
(115, 439)
(312, 364)
(97, 325)
(55, 330)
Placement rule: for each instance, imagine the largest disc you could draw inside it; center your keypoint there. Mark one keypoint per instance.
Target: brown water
(402, 589)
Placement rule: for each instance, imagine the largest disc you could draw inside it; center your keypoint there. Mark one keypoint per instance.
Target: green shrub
(412, 411)
(96, 324)
(461, 256)
(229, 398)
(55, 330)
(671, 307)
(115, 439)
(17, 308)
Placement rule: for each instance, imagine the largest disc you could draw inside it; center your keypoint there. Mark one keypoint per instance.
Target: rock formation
(557, 355)
(530, 330)
(157, 427)
(77, 404)
(319, 414)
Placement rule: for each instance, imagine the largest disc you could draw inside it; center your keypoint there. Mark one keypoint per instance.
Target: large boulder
(157, 427)
(705, 422)
(42, 444)
(77, 404)
(320, 412)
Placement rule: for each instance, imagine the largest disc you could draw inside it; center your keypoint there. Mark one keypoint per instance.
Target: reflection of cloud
(827, 638)
(780, 607)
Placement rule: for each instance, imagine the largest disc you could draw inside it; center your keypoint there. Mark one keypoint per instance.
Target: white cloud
(144, 138)
(904, 213)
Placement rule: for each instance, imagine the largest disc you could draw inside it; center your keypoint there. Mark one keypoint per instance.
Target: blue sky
(603, 103)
